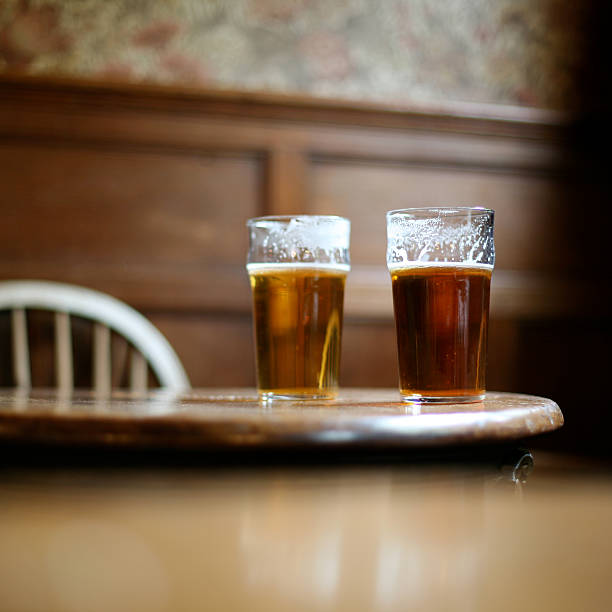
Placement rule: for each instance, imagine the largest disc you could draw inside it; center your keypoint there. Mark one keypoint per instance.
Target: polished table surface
(236, 418)
(496, 527)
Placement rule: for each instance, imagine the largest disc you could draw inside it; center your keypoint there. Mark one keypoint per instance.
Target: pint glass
(441, 261)
(297, 266)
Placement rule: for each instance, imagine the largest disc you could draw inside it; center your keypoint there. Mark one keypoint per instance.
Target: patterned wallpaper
(406, 51)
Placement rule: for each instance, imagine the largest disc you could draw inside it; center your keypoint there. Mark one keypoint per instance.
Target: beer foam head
(299, 239)
(462, 235)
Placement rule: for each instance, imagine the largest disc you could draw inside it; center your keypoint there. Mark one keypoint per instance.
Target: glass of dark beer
(297, 266)
(441, 261)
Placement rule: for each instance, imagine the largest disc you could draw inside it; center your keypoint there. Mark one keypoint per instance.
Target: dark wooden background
(143, 192)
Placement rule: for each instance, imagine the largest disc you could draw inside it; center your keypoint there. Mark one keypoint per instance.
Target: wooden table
(236, 418)
(493, 527)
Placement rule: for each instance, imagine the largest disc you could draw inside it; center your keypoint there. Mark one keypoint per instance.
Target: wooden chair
(150, 347)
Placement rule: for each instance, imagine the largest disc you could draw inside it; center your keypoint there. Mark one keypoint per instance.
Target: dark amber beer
(441, 317)
(441, 260)
(298, 327)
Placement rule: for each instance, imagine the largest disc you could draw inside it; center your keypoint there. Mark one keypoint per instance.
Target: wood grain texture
(286, 182)
(456, 116)
(217, 347)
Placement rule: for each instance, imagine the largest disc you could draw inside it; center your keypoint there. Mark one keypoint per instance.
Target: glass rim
(444, 211)
(286, 218)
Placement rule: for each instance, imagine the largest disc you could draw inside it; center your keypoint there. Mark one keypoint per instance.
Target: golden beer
(298, 327)
(441, 316)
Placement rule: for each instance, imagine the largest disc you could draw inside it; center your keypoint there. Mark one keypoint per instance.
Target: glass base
(268, 396)
(417, 398)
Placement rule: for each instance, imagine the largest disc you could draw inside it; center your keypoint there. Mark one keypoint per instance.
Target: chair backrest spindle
(149, 347)
(101, 359)
(138, 372)
(63, 352)
(21, 353)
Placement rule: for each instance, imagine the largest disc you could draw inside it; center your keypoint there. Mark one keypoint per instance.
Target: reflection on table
(478, 531)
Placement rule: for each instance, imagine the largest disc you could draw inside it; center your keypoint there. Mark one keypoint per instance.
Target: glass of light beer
(297, 267)
(441, 261)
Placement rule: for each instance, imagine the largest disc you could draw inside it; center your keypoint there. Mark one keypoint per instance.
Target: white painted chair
(107, 313)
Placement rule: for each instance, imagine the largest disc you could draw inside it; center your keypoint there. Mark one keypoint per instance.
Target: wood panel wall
(143, 193)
